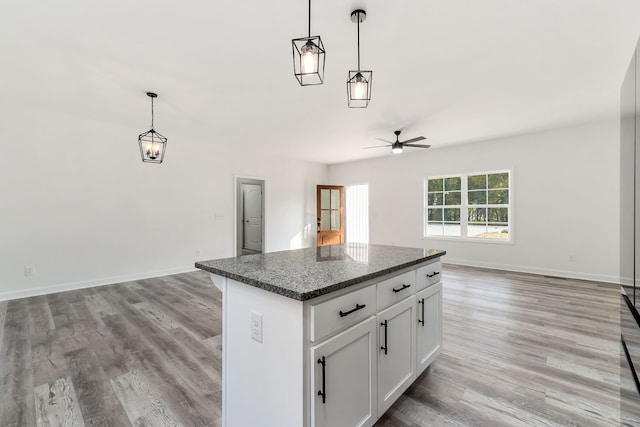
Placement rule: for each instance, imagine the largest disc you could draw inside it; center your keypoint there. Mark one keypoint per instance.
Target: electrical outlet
(572, 257)
(29, 271)
(197, 252)
(256, 326)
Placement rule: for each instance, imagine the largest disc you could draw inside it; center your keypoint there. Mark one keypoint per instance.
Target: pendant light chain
(151, 113)
(358, 41)
(309, 18)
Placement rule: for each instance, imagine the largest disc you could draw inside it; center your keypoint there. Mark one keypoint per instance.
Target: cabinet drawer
(338, 313)
(429, 274)
(396, 289)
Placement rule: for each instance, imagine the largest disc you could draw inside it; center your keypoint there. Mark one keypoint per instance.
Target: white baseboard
(24, 293)
(626, 281)
(533, 270)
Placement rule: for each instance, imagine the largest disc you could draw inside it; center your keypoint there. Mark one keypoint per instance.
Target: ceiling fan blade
(416, 145)
(377, 146)
(384, 140)
(418, 138)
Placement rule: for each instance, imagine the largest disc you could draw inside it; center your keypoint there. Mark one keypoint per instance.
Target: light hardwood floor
(519, 350)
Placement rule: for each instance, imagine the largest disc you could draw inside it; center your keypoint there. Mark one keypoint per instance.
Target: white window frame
(464, 206)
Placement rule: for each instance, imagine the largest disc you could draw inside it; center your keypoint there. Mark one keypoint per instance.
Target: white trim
(471, 240)
(626, 281)
(25, 293)
(542, 271)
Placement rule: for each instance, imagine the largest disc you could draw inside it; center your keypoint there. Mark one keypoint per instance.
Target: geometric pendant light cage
(359, 81)
(152, 144)
(308, 58)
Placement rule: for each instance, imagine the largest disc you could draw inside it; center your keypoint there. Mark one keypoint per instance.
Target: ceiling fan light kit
(396, 148)
(152, 144)
(359, 81)
(308, 58)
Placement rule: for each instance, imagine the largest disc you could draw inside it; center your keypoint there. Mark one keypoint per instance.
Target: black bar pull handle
(404, 286)
(324, 388)
(384, 347)
(421, 301)
(358, 307)
(435, 273)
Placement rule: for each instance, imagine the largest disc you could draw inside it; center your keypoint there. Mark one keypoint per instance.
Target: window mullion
(463, 206)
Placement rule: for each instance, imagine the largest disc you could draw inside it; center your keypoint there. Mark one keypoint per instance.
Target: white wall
(78, 205)
(565, 192)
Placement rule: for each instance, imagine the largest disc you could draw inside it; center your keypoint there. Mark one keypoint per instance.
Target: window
(475, 206)
(444, 200)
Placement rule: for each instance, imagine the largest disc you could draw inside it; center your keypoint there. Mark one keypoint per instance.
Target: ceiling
(455, 71)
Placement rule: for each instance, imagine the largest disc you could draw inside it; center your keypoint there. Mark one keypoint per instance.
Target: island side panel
(263, 382)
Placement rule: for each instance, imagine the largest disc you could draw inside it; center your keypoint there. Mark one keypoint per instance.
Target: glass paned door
(330, 204)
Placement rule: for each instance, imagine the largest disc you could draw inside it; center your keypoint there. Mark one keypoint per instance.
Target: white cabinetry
(429, 325)
(395, 289)
(370, 344)
(341, 312)
(344, 379)
(396, 351)
(428, 275)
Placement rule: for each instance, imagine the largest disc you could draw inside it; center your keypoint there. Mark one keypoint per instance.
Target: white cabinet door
(343, 383)
(429, 325)
(396, 351)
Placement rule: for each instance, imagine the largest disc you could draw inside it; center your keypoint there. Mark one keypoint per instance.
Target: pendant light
(152, 144)
(359, 82)
(308, 58)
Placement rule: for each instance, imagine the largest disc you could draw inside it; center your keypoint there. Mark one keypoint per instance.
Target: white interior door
(252, 216)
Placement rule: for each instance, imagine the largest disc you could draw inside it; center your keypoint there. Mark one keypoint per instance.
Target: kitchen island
(326, 336)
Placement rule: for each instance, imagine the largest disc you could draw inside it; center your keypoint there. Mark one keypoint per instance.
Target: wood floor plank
(140, 403)
(57, 405)
(3, 317)
(47, 345)
(182, 311)
(16, 373)
(97, 400)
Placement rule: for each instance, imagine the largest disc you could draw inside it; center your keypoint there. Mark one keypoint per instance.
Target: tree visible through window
(474, 206)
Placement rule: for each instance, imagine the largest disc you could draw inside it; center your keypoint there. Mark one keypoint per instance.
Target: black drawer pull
(435, 273)
(405, 286)
(384, 347)
(358, 307)
(324, 388)
(421, 301)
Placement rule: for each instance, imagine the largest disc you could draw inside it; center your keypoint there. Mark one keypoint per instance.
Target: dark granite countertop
(303, 274)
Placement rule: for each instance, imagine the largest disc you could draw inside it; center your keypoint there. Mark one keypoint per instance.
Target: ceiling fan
(397, 146)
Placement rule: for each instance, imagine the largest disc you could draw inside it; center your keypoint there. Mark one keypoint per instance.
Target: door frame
(238, 225)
